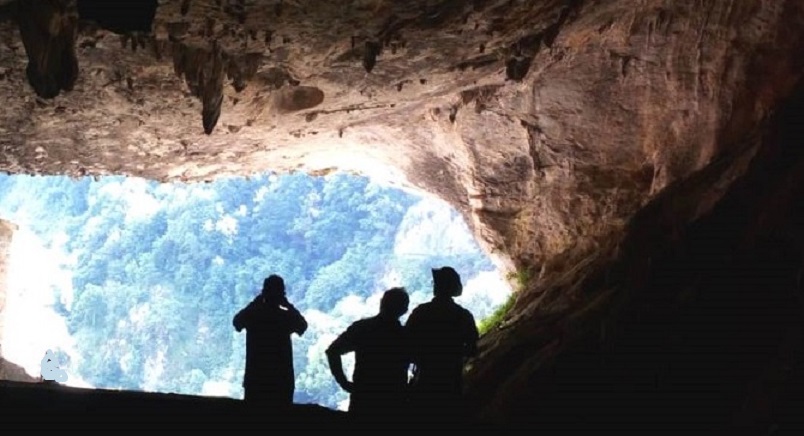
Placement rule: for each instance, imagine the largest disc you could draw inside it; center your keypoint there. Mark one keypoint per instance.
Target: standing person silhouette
(382, 361)
(269, 321)
(442, 334)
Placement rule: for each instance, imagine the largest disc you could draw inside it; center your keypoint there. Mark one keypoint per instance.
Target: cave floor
(39, 406)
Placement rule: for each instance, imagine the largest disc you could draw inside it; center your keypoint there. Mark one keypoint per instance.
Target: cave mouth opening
(133, 283)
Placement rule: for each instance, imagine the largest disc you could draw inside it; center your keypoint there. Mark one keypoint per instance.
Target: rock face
(577, 137)
(691, 318)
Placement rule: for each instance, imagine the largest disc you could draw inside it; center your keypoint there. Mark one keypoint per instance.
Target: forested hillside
(160, 269)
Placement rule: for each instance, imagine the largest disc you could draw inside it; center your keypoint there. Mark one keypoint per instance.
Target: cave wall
(693, 318)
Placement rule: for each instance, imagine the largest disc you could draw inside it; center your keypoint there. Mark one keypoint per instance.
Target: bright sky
(34, 272)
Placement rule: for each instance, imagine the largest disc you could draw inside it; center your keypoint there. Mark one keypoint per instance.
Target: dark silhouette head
(394, 302)
(446, 282)
(273, 288)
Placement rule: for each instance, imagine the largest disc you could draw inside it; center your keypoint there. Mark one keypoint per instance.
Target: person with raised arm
(270, 320)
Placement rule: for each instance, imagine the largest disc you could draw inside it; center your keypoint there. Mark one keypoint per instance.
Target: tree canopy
(160, 269)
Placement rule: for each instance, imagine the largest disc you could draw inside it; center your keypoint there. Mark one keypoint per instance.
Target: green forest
(161, 269)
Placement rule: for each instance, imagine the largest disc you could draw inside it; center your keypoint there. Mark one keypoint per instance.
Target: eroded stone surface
(618, 100)
(692, 318)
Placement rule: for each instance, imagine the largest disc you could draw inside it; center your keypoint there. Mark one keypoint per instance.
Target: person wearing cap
(442, 336)
(270, 320)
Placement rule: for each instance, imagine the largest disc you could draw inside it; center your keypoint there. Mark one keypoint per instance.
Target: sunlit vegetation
(521, 277)
(155, 272)
(496, 318)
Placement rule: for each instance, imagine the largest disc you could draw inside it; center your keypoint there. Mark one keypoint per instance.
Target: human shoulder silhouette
(442, 320)
(272, 308)
(269, 320)
(442, 335)
(382, 360)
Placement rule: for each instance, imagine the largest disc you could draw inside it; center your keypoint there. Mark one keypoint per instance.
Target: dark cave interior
(705, 329)
(121, 16)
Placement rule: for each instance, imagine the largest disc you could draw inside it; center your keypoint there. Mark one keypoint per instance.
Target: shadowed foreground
(38, 406)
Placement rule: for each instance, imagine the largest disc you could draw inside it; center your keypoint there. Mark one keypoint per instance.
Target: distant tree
(154, 294)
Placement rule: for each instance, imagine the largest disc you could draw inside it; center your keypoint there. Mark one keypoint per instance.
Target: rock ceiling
(549, 119)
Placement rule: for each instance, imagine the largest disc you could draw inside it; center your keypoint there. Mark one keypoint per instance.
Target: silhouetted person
(442, 334)
(269, 321)
(381, 360)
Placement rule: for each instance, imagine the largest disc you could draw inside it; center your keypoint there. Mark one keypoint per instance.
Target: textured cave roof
(540, 120)
(550, 119)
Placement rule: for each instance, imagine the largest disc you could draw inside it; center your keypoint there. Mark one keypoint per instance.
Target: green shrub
(520, 277)
(496, 318)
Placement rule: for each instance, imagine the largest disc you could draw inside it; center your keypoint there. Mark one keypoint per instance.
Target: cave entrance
(133, 284)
